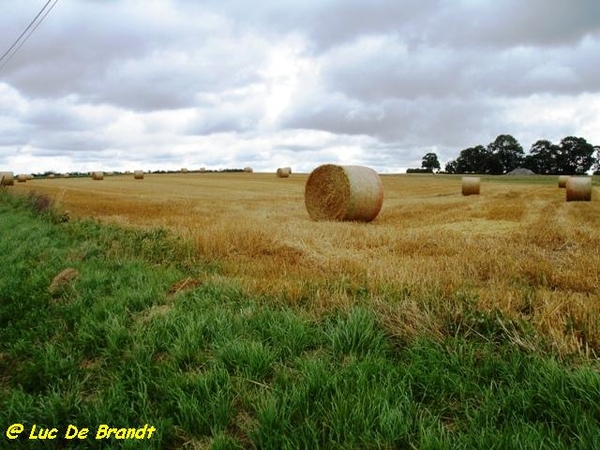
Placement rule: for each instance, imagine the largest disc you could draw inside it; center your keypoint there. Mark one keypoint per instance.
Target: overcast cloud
(157, 84)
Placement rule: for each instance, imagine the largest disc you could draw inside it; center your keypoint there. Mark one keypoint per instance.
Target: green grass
(209, 367)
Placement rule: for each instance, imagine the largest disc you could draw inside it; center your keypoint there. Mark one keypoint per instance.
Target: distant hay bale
(562, 181)
(283, 172)
(471, 185)
(98, 175)
(184, 170)
(138, 174)
(23, 177)
(51, 176)
(579, 189)
(66, 175)
(7, 179)
(202, 169)
(335, 192)
(248, 169)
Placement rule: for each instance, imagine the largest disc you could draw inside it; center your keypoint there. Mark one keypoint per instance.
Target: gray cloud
(220, 83)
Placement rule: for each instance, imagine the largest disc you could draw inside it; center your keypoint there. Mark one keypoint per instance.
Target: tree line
(572, 156)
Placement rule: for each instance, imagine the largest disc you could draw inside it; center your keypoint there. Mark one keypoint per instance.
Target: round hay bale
(471, 185)
(202, 169)
(335, 192)
(562, 181)
(66, 175)
(138, 174)
(7, 179)
(184, 170)
(579, 189)
(51, 176)
(98, 175)
(283, 172)
(248, 169)
(23, 177)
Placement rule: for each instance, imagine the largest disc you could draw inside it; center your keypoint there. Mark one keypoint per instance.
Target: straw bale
(138, 174)
(335, 192)
(471, 185)
(283, 172)
(562, 181)
(7, 179)
(579, 189)
(98, 175)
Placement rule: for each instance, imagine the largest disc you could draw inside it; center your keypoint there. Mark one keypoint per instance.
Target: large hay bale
(184, 170)
(138, 174)
(562, 181)
(98, 175)
(7, 179)
(471, 185)
(51, 176)
(283, 172)
(579, 189)
(248, 169)
(335, 192)
(23, 177)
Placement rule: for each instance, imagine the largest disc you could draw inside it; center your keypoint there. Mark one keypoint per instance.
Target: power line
(20, 40)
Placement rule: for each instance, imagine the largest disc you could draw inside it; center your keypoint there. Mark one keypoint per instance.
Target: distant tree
(504, 154)
(450, 166)
(542, 158)
(576, 156)
(573, 156)
(472, 160)
(430, 162)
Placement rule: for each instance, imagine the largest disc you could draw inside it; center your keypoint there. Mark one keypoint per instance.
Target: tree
(451, 166)
(504, 154)
(542, 158)
(573, 156)
(576, 156)
(430, 162)
(472, 160)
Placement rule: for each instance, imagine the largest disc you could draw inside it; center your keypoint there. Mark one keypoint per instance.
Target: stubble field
(517, 257)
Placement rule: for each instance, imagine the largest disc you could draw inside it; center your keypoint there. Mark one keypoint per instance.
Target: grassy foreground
(140, 337)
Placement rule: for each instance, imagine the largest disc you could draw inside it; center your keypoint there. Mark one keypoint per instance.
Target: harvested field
(519, 248)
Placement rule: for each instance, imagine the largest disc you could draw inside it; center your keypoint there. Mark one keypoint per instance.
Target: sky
(161, 85)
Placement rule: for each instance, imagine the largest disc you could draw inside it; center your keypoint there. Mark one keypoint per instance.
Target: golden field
(429, 259)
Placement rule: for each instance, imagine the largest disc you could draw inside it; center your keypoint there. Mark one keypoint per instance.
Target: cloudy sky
(159, 84)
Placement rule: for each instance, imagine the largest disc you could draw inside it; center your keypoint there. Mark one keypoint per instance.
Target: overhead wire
(7, 55)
